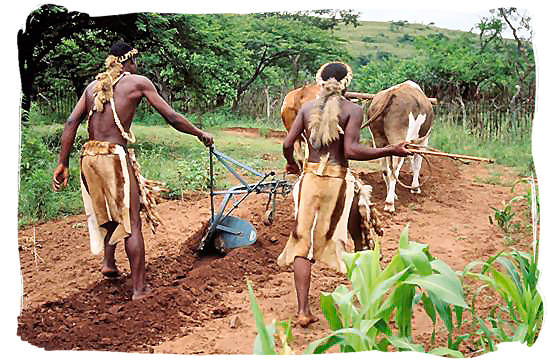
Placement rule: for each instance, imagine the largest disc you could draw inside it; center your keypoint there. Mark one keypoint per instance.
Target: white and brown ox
(397, 114)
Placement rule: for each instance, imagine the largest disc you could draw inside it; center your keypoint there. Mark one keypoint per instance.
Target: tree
(284, 41)
(521, 56)
(46, 28)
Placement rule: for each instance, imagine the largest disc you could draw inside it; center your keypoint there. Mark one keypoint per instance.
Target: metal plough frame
(221, 223)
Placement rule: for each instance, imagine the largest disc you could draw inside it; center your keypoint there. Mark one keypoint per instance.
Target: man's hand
(292, 168)
(60, 177)
(400, 150)
(206, 139)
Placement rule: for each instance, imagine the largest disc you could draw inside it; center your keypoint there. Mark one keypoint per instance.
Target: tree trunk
(236, 101)
(267, 103)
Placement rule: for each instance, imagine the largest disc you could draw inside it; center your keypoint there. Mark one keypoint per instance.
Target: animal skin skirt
(324, 205)
(105, 185)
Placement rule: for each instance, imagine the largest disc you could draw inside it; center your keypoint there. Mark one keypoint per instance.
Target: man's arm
(288, 144)
(173, 118)
(354, 150)
(61, 173)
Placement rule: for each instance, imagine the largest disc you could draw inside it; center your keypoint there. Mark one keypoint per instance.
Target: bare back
(336, 148)
(128, 92)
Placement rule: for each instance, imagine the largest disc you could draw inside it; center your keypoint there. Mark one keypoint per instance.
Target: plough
(226, 231)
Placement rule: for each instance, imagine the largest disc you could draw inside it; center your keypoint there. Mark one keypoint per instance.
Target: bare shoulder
(308, 105)
(352, 108)
(90, 88)
(140, 80)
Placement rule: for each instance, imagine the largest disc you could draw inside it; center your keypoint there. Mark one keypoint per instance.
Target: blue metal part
(235, 232)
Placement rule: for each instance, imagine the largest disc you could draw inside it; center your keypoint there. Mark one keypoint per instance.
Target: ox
(397, 114)
(291, 105)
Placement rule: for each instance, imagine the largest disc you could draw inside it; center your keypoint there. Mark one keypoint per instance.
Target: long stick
(368, 96)
(450, 155)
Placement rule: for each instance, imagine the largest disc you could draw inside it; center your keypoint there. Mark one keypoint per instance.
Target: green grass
(374, 36)
(181, 160)
(513, 152)
(164, 154)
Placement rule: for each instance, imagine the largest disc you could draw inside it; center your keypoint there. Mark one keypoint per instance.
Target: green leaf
(506, 288)
(448, 272)
(428, 306)
(264, 344)
(487, 333)
(404, 344)
(404, 237)
(323, 344)
(510, 269)
(444, 311)
(329, 310)
(443, 351)
(439, 285)
(366, 325)
(349, 338)
(414, 255)
(403, 298)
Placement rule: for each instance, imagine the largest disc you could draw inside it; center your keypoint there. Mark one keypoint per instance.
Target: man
(323, 195)
(112, 188)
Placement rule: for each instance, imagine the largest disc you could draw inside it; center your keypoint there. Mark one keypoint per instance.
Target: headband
(128, 55)
(344, 82)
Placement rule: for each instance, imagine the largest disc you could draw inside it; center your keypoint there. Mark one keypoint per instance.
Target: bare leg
(134, 245)
(109, 268)
(302, 277)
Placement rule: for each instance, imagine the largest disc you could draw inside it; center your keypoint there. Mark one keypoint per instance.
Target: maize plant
(360, 317)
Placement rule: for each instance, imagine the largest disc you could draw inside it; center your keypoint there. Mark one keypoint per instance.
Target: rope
(128, 136)
(425, 178)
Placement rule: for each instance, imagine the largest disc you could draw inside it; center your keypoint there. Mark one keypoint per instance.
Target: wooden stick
(368, 96)
(449, 155)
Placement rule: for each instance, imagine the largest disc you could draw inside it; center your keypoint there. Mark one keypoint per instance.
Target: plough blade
(236, 232)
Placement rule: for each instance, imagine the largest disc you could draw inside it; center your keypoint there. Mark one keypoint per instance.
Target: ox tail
(421, 140)
(387, 101)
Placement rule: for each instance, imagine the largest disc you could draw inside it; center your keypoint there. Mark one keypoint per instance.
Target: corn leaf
(444, 311)
(439, 285)
(404, 344)
(443, 351)
(487, 334)
(264, 343)
(329, 310)
(428, 306)
(324, 344)
(413, 254)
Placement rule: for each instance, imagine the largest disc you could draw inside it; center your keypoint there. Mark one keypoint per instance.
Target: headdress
(323, 124)
(103, 90)
(344, 82)
(128, 55)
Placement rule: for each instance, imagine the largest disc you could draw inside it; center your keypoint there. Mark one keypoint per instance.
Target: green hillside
(375, 38)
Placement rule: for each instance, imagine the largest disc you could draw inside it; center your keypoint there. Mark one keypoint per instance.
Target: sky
(460, 19)
(461, 15)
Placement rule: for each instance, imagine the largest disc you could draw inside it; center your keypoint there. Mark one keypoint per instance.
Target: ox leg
(416, 164)
(393, 166)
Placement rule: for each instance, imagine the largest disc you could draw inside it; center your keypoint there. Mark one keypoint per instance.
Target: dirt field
(201, 305)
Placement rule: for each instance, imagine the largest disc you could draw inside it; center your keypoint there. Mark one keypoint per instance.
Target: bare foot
(305, 320)
(110, 272)
(139, 295)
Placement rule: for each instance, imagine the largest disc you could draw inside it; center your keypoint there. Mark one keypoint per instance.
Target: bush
(37, 200)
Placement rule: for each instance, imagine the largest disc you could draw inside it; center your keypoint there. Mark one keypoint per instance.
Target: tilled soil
(200, 305)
